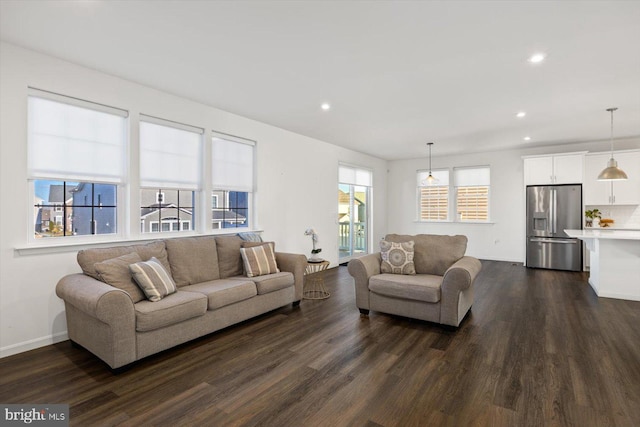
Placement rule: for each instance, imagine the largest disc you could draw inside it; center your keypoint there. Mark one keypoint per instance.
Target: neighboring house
(162, 211)
(51, 218)
(94, 209)
(343, 207)
(229, 209)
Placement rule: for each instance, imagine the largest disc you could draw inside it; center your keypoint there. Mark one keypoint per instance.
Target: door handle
(563, 241)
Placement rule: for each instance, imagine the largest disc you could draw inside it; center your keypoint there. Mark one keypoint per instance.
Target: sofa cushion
(156, 250)
(193, 260)
(273, 282)
(259, 260)
(174, 308)
(115, 272)
(223, 292)
(421, 287)
(397, 258)
(433, 254)
(229, 258)
(153, 279)
(88, 257)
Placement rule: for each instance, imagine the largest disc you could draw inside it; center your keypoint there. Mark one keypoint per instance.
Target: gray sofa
(441, 291)
(119, 326)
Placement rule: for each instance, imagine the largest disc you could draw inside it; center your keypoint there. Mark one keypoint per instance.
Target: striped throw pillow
(259, 260)
(153, 279)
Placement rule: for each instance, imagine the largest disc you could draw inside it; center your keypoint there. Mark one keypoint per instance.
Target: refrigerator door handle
(543, 240)
(554, 220)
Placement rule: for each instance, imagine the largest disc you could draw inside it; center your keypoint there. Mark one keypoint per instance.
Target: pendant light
(612, 172)
(430, 179)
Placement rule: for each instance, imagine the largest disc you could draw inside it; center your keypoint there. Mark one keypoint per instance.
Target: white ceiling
(397, 74)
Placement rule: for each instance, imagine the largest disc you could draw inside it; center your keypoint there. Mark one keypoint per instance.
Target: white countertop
(604, 233)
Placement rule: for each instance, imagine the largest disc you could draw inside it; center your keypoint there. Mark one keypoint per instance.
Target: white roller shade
(232, 164)
(169, 157)
(468, 177)
(354, 176)
(74, 143)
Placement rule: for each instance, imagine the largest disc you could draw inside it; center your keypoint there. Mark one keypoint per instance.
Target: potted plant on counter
(592, 214)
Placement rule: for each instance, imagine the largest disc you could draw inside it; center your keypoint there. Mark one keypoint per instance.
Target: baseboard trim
(619, 296)
(21, 347)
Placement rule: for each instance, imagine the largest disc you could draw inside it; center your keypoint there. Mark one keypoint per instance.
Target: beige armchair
(441, 291)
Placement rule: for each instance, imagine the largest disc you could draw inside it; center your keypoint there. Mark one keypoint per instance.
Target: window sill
(455, 222)
(46, 248)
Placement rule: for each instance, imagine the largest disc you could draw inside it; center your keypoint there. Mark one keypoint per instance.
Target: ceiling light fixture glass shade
(430, 180)
(612, 172)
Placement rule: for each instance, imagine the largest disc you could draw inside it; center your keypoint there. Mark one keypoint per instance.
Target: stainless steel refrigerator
(550, 210)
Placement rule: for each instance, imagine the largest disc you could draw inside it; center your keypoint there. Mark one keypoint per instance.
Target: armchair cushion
(434, 254)
(421, 287)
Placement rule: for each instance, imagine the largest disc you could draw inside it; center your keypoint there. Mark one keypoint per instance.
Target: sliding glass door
(354, 194)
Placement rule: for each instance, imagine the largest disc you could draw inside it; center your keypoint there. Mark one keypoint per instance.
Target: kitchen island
(615, 261)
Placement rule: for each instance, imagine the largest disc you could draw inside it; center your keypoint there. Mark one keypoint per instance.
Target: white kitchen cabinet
(557, 169)
(612, 192)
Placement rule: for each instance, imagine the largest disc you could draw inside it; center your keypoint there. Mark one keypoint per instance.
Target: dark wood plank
(538, 348)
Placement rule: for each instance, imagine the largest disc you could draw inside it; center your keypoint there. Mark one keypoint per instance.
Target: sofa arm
(95, 298)
(361, 269)
(296, 264)
(100, 318)
(457, 292)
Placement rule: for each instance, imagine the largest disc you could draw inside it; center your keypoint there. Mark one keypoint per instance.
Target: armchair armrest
(461, 274)
(361, 269)
(296, 264)
(456, 295)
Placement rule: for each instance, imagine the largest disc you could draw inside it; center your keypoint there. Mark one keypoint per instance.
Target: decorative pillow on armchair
(397, 258)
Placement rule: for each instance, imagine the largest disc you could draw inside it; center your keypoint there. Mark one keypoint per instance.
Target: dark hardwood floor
(538, 348)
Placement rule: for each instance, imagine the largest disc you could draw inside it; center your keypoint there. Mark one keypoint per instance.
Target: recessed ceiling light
(537, 58)
(325, 106)
(521, 114)
(527, 138)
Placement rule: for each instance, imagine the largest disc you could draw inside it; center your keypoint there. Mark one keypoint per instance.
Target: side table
(314, 283)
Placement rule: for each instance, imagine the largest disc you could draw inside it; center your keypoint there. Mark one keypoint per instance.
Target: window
(170, 159)
(89, 208)
(472, 193)
(76, 160)
(232, 181)
(433, 198)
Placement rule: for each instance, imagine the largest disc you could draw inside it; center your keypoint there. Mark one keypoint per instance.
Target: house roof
(55, 193)
(148, 210)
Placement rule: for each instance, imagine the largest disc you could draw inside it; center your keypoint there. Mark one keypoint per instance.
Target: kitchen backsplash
(624, 216)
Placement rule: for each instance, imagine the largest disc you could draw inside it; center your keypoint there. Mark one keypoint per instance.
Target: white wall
(504, 238)
(296, 184)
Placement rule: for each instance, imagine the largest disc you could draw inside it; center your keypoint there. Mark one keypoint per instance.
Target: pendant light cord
(611, 139)
(611, 110)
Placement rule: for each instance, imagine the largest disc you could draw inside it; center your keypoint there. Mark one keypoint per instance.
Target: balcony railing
(359, 241)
